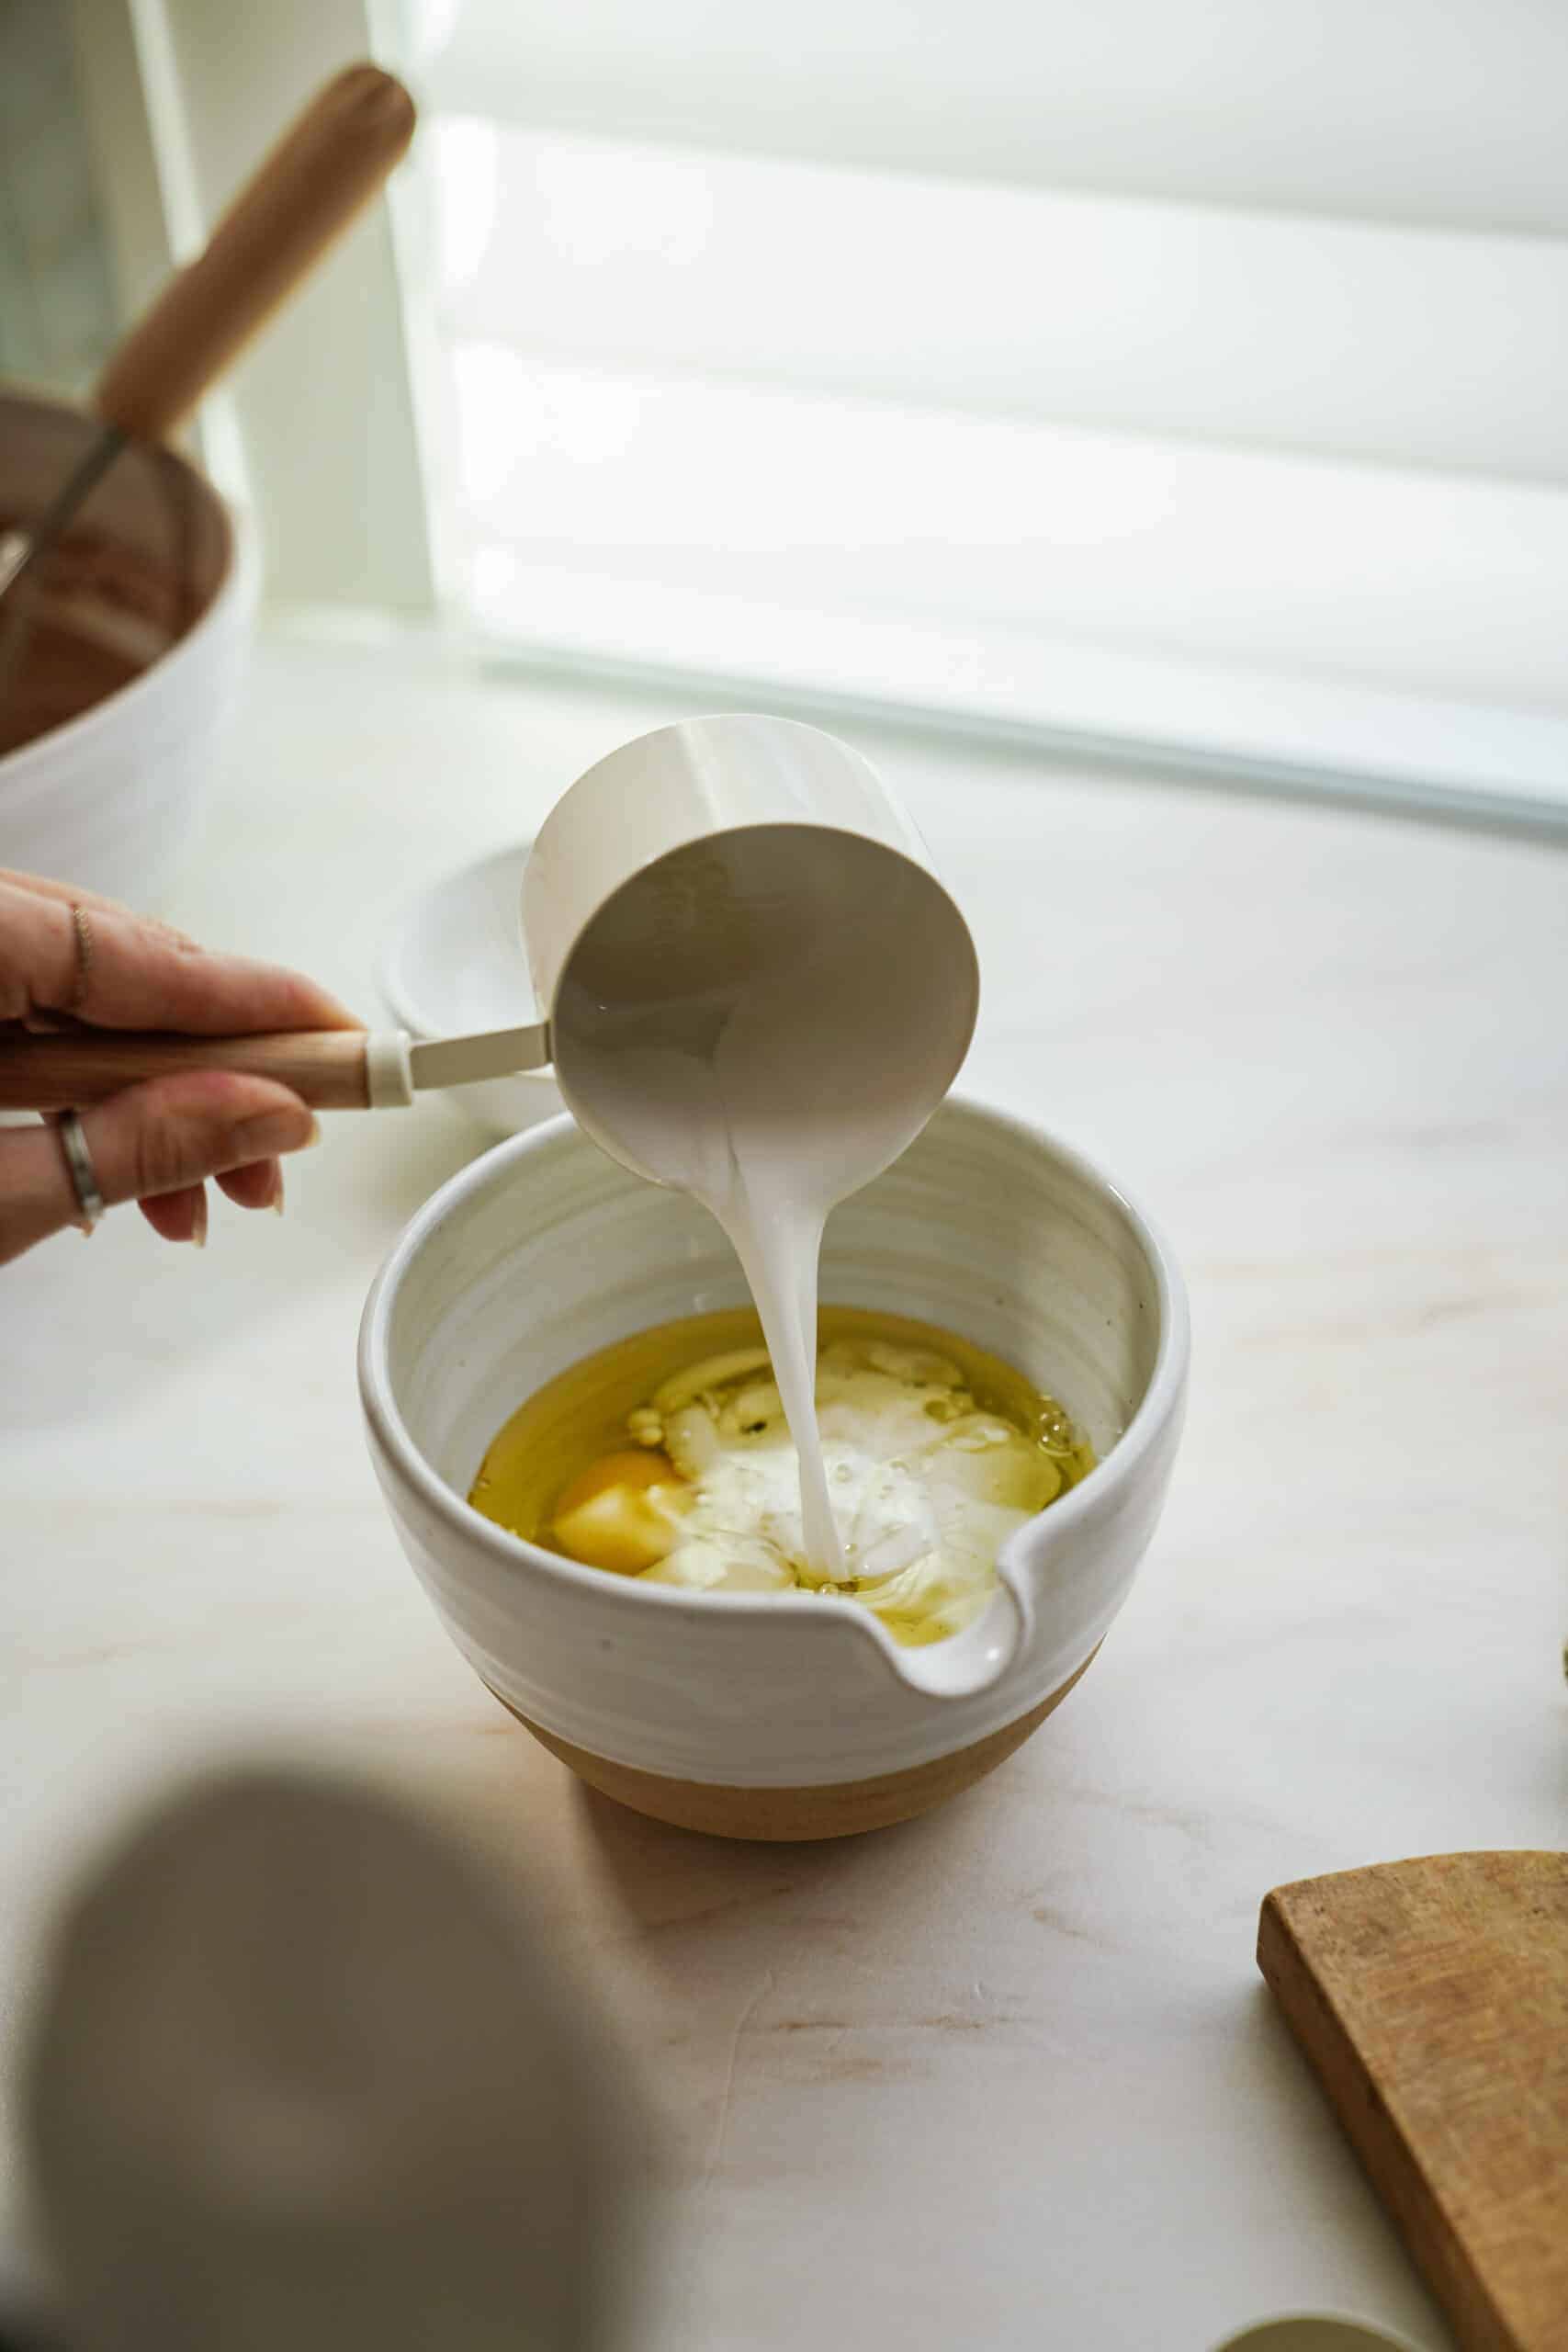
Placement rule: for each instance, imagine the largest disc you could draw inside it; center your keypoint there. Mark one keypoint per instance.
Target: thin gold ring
(83, 930)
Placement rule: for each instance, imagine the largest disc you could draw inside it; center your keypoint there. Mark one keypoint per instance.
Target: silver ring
(83, 1175)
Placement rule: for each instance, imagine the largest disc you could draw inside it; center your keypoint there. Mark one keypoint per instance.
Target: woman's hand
(155, 1142)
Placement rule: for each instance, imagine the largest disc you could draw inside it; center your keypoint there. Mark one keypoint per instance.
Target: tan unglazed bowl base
(836, 1809)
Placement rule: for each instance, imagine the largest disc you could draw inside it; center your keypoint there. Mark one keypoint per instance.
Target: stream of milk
(763, 1042)
(779, 1242)
(709, 1094)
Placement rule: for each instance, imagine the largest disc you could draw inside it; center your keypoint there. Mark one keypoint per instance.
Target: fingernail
(276, 1203)
(271, 1132)
(198, 1223)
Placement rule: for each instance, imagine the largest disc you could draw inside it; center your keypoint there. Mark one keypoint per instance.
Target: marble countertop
(1008, 2076)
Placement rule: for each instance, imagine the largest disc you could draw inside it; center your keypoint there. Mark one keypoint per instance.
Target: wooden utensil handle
(306, 192)
(67, 1070)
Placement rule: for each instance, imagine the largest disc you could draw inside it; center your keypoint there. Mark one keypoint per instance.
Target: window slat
(1409, 347)
(1447, 112)
(858, 511)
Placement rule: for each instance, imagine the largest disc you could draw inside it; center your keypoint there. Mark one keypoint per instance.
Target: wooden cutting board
(1431, 1998)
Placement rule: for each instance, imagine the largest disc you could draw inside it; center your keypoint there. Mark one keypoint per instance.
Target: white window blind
(1178, 374)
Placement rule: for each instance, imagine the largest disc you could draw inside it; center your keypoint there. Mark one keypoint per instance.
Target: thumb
(157, 1137)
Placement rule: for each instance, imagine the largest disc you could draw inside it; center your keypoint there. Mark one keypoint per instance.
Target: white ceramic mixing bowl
(109, 798)
(766, 1715)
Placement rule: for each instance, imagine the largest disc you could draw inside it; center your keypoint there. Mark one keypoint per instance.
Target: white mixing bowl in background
(766, 1715)
(156, 576)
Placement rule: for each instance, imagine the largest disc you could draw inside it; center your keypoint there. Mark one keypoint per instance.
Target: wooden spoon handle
(321, 174)
(329, 1068)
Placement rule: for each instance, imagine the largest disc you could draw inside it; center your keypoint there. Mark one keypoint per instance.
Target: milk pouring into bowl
(758, 994)
(756, 991)
(755, 995)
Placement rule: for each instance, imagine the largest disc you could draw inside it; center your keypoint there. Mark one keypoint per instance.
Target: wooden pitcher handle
(69, 1070)
(321, 174)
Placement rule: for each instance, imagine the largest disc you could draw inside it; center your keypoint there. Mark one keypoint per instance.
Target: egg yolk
(623, 1513)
